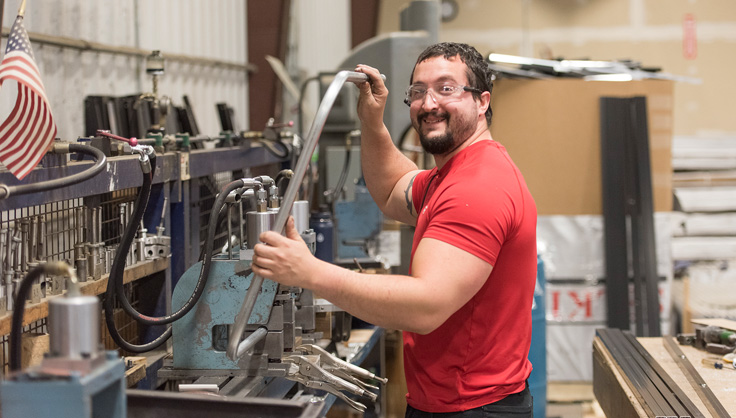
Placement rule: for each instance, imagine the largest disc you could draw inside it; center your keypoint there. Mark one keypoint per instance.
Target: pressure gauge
(449, 10)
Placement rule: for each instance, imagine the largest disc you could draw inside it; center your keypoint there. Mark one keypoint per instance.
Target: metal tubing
(33, 239)
(3, 232)
(650, 399)
(23, 245)
(241, 320)
(240, 225)
(199, 387)
(229, 232)
(300, 212)
(710, 400)
(41, 241)
(251, 341)
(670, 388)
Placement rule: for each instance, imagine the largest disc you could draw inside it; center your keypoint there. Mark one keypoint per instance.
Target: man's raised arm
(388, 173)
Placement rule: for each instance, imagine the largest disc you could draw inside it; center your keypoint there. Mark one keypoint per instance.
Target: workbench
(617, 399)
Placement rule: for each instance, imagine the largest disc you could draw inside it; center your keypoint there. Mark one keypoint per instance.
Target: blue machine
(281, 316)
(201, 336)
(75, 379)
(100, 394)
(358, 224)
(538, 349)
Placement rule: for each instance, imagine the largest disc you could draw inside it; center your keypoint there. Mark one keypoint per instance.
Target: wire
(271, 147)
(118, 267)
(114, 291)
(21, 295)
(99, 164)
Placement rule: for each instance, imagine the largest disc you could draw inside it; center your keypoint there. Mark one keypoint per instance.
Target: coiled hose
(115, 284)
(59, 148)
(114, 289)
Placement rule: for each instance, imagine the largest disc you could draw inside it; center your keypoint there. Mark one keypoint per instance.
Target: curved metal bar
(241, 320)
(249, 343)
(61, 148)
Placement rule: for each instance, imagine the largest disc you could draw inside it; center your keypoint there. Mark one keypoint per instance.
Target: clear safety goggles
(440, 92)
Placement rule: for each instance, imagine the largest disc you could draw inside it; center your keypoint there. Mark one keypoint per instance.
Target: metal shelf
(37, 311)
(124, 172)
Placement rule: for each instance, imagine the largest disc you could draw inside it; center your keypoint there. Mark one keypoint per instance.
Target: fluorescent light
(511, 59)
(609, 77)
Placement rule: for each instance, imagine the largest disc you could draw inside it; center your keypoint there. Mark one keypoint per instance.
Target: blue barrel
(538, 349)
(324, 229)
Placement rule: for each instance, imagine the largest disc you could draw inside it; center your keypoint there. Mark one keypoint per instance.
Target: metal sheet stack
(704, 229)
(572, 250)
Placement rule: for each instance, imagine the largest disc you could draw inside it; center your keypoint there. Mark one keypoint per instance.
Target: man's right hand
(372, 101)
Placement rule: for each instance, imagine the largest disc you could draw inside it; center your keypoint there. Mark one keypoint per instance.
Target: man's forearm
(389, 301)
(382, 163)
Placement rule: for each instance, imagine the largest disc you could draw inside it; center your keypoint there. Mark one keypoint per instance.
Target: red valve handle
(132, 141)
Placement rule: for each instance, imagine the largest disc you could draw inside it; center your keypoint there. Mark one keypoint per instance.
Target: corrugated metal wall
(320, 41)
(201, 28)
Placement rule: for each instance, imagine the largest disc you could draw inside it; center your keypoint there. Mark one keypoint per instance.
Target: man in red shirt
(465, 308)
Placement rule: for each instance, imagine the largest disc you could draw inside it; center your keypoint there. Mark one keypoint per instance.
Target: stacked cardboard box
(551, 129)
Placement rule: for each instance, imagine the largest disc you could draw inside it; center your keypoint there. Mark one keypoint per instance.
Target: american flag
(29, 130)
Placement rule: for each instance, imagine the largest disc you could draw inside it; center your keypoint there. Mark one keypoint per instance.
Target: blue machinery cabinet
(538, 349)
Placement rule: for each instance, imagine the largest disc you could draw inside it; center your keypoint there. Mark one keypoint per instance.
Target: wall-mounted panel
(197, 28)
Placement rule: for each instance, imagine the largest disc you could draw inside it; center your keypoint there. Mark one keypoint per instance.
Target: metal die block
(36, 293)
(305, 318)
(199, 336)
(58, 285)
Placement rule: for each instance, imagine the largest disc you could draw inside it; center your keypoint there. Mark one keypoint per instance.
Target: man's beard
(448, 140)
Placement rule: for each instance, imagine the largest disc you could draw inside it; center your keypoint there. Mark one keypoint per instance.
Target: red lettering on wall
(689, 39)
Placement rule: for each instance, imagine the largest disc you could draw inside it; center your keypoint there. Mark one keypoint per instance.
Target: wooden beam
(37, 311)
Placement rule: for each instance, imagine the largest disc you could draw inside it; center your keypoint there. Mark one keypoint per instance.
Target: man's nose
(429, 101)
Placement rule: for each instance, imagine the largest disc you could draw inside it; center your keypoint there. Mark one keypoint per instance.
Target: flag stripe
(45, 139)
(26, 131)
(21, 142)
(26, 107)
(21, 60)
(19, 74)
(11, 124)
(29, 130)
(38, 133)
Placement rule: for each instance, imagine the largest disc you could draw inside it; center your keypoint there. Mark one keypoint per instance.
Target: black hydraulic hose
(100, 161)
(114, 291)
(283, 175)
(221, 218)
(21, 295)
(341, 180)
(271, 147)
(203, 274)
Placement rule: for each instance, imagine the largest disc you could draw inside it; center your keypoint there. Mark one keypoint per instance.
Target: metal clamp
(343, 369)
(307, 371)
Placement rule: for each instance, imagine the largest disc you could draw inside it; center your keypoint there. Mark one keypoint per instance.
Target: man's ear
(485, 102)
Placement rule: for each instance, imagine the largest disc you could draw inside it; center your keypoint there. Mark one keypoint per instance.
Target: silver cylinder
(256, 224)
(74, 327)
(422, 15)
(300, 212)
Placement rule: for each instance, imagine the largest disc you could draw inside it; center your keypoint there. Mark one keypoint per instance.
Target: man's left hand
(284, 259)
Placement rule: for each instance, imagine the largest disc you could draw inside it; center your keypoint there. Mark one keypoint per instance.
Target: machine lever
(310, 144)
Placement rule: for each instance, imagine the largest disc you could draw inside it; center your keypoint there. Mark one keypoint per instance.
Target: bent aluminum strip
(241, 320)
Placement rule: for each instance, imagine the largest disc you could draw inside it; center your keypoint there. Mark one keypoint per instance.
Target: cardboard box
(551, 129)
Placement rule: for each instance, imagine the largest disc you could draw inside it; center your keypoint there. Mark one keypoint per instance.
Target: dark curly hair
(480, 75)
